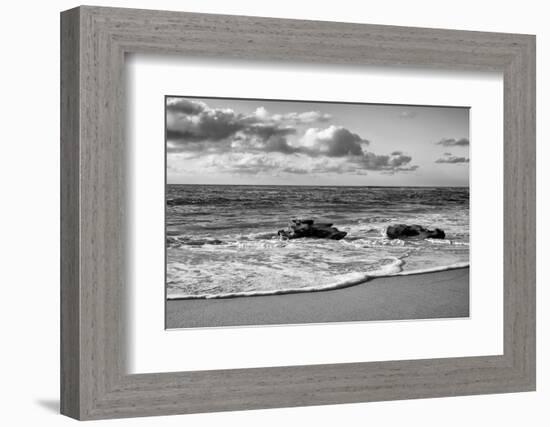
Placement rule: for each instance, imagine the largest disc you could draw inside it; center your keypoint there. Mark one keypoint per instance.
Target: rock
(171, 241)
(307, 228)
(303, 221)
(403, 231)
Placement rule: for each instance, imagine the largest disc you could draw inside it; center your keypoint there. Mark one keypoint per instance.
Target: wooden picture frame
(94, 382)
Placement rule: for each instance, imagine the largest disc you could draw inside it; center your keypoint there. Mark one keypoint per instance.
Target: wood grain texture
(94, 272)
(70, 291)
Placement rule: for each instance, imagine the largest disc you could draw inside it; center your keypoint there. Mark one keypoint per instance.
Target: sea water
(221, 240)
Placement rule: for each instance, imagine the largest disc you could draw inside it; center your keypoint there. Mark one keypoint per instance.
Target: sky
(265, 142)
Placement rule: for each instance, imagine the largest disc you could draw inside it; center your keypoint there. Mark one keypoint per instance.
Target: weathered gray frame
(94, 41)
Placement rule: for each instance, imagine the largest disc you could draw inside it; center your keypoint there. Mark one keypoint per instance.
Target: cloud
(337, 141)
(184, 106)
(279, 145)
(193, 122)
(398, 160)
(261, 113)
(302, 118)
(274, 163)
(193, 126)
(224, 140)
(277, 163)
(453, 159)
(253, 164)
(265, 131)
(453, 142)
(197, 147)
(306, 117)
(334, 141)
(391, 163)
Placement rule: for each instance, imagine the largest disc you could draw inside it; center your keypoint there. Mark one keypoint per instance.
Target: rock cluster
(400, 231)
(307, 228)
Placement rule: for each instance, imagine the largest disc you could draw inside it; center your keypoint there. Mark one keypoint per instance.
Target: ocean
(221, 240)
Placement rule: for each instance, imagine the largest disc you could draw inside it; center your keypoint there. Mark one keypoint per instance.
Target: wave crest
(394, 268)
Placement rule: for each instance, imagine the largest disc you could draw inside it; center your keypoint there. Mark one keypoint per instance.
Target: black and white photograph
(294, 212)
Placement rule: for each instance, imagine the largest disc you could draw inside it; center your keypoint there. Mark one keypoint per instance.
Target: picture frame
(94, 381)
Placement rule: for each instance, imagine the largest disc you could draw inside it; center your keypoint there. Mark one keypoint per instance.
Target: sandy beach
(443, 294)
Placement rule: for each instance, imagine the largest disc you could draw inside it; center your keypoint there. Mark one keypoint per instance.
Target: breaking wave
(353, 279)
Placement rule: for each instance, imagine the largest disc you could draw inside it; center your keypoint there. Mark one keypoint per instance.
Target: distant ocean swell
(222, 242)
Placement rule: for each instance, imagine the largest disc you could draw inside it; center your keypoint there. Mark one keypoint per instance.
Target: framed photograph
(262, 213)
(239, 170)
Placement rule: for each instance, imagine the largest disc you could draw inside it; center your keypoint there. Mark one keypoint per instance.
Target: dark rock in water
(401, 231)
(323, 224)
(303, 221)
(307, 228)
(338, 235)
(170, 241)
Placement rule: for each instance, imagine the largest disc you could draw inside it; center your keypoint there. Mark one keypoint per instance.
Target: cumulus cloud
(192, 122)
(184, 106)
(399, 160)
(192, 125)
(339, 142)
(334, 141)
(453, 142)
(225, 140)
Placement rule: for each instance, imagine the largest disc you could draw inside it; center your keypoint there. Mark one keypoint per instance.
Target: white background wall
(29, 234)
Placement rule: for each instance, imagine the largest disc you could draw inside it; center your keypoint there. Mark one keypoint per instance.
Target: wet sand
(443, 294)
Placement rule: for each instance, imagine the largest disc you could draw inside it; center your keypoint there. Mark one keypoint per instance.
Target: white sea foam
(395, 268)
(447, 242)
